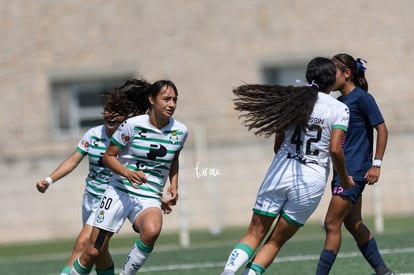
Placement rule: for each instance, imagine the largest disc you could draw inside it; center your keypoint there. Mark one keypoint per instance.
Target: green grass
(207, 254)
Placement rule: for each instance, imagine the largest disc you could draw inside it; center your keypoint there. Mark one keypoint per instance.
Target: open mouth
(111, 122)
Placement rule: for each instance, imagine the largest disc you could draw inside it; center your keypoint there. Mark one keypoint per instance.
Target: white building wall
(207, 48)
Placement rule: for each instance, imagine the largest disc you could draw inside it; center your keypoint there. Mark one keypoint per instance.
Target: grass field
(207, 254)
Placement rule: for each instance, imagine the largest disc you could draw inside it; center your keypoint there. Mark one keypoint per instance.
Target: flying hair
(270, 109)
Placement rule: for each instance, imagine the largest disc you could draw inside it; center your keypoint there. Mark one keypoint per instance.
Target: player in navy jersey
(362, 165)
(309, 126)
(117, 107)
(144, 155)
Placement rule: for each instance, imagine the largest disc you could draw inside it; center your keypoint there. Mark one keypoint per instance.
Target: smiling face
(163, 104)
(112, 122)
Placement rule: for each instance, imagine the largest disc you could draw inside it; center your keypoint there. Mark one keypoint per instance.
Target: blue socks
(369, 250)
(372, 254)
(326, 260)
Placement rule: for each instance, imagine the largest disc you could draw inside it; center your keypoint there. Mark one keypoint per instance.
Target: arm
(67, 166)
(110, 159)
(373, 174)
(338, 158)
(173, 188)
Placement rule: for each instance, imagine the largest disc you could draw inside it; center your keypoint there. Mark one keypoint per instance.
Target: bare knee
(150, 235)
(80, 245)
(93, 253)
(99, 243)
(354, 226)
(331, 225)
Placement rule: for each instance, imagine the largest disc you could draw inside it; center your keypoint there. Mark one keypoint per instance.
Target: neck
(108, 132)
(348, 89)
(158, 122)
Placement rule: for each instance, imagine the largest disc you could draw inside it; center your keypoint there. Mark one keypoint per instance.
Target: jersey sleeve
(85, 143)
(122, 135)
(341, 118)
(185, 135)
(370, 108)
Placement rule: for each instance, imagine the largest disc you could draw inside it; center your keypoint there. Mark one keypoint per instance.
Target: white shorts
(116, 206)
(291, 189)
(89, 205)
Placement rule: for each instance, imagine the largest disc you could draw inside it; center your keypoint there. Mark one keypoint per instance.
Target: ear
(347, 73)
(151, 99)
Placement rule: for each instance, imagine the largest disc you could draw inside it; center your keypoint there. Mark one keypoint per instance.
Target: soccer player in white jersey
(309, 126)
(117, 107)
(143, 154)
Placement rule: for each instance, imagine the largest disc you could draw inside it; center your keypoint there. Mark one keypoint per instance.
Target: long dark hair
(270, 109)
(345, 61)
(136, 90)
(132, 97)
(117, 100)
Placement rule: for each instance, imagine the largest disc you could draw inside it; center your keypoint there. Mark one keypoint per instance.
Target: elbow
(105, 160)
(335, 152)
(382, 129)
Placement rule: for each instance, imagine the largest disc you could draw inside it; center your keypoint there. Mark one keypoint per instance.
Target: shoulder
(364, 97)
(141, 120)
(331, 101)
(177, 125)
(95, 131)
(138, 119)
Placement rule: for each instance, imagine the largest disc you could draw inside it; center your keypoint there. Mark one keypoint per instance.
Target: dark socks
(373, 256)
(326, 260)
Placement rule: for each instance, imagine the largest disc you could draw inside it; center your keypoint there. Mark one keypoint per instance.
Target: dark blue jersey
(358, 141)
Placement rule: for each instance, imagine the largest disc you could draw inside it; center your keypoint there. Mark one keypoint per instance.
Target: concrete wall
(206, 48)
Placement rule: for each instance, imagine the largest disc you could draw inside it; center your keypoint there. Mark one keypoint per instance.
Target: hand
(348, 183)
(42, 186)
(165, 207)
(372, 175)
(173, 194)
(136, 178)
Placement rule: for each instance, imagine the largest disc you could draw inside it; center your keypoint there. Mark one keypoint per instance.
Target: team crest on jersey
(84, 144)
(125, 137)
(100, 217)
(173, 137)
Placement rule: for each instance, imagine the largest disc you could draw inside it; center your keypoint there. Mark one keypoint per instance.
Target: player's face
(341, 79)
(112, 122)
(165, 102)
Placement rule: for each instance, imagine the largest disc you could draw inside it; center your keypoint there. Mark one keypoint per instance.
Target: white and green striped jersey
(94, 144)
(149, 149)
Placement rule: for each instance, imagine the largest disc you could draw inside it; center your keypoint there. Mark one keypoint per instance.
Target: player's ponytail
(269, 109)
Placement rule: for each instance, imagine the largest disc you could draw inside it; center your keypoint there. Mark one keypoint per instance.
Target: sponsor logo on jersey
(84, 144)
(125, 137)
